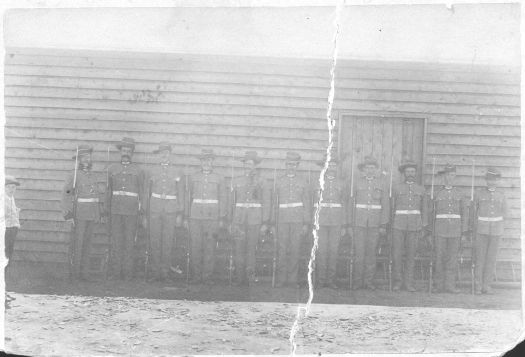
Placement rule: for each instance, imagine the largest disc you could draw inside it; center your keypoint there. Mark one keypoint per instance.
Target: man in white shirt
(11, 215)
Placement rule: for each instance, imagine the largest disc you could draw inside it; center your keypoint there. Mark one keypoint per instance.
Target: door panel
(380, 136)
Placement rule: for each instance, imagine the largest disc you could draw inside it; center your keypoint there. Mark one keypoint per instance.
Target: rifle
(108, 223)
(187, 202)
(352, 223)
(276, 234)
(147, 231)
(430, 264)
(390, 235)
(72, 238)
(232, 241)
(473, 226)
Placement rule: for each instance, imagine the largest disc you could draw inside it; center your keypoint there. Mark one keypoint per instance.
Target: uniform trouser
(447, 249)
(9, 238)
(123, 231)
(80, 246)
(288, 253)
(404, 241)
(365, 247)
(328, 252)
(485, 259)
(203, 240)
(245, 237)
(161, 242)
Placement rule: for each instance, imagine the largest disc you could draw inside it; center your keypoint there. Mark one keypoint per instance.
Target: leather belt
(408, 211)
(163, 196)
(200, 200)
(248, 205)
(329, 205)
(448, 216)
(83, 200)
(125, 193)
(291, 205)
(359, 205)
(490, 219)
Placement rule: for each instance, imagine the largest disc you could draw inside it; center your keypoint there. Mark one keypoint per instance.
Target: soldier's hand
(178, 220)
(305, 229)
(185, 224)
(144, 221)
(264, 229)
(343, 232)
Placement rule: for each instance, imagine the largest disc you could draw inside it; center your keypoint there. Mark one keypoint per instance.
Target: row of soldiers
(365, 208)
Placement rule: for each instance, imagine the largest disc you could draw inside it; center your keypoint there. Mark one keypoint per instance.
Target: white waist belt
(330, 205)
(490, 219)
(409, 211)
(290, 205)
(125, 193)
(448, 216)
(248, 205)
(200, 200)
(87, 200)
(164, 197)
(359, 205)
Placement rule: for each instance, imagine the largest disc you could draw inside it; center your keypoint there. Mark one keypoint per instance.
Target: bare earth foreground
(83, 325)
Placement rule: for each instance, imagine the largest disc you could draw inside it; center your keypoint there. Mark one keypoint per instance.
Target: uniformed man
(292, 212)
(164, 199)
(250, 210)
(451, 222)
(82, 202)
(371, 215)
(123, 204)
(207, 213)
(332, 220)
(410, 217)
(491, 210)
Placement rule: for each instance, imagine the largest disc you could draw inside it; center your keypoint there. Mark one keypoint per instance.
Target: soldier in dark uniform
(491, 210)
(332, 220)
(85, 212)
(371, 216)
(164, 197)
(451, 222)
(123, 203)
(293, 210)
(410, 218)
(250, 210)
(207, 213)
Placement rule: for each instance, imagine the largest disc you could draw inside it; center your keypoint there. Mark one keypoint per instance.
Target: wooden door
(380, 136)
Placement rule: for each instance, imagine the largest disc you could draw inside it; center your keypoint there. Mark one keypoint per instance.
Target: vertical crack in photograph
(303, 311)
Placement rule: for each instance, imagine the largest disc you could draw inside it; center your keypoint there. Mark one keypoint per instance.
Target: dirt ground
(55, 317)
(68, 325)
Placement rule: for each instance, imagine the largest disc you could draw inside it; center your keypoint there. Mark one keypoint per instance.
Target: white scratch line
(303, 311)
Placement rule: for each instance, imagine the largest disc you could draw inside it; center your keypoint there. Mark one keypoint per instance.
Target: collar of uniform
(410, 182)
(207, 172)
(125, 162)
(491, 189)
(164, 164)
(448, 187)
(330, 177)
(290, 175)
(369, 178)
